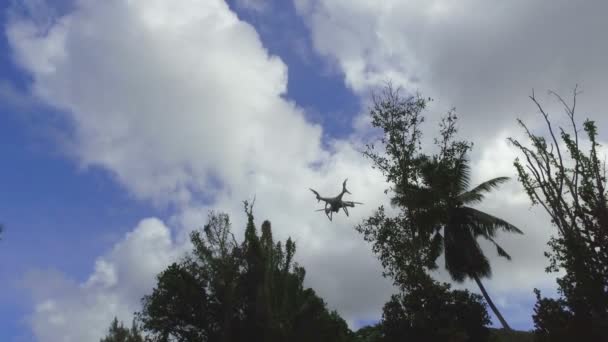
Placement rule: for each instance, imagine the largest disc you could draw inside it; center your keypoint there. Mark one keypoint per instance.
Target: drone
(334, 204)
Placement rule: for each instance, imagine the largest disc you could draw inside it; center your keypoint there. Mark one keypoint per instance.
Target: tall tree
(570, 184)
(433, 192)
(401, 241)
(458, 225)
(194, 300)
(226, 291)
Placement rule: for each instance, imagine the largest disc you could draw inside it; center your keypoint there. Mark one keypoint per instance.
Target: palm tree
(443, 203)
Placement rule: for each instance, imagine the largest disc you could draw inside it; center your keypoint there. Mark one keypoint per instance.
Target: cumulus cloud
(168, 96)
(482, 57)
(67, 310)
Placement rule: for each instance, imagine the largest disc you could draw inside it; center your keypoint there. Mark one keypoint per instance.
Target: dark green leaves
(229, 291)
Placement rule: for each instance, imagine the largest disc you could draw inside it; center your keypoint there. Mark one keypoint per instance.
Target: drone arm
(344, 187)
(316, 194)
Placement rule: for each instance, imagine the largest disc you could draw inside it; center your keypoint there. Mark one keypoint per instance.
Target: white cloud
(69, 311)
(169, 96)
(482, 57)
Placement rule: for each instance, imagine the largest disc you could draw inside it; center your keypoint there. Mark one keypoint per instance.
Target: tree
(193, 299)
(401, 241)
(226, 291)
(446, 180)
(435, 313)
(432, 192)
(118, 333)
(570, 185)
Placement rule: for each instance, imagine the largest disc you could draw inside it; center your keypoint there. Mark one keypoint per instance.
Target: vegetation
(229, 291)
(118, 333)
(432, 192)
(434, 313)
(570, 184)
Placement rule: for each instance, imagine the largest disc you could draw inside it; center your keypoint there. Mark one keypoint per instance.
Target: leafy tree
(570, 184)
(402, 241)
(118, 333)
(193, 299)
(226, 291)
(435, 313)
(432, 192)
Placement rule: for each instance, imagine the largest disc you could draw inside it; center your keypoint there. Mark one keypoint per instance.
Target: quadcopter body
(334, 204)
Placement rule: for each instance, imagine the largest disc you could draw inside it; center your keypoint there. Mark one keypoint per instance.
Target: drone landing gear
(328, 211)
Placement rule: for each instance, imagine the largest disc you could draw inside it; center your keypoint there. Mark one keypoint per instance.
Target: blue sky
(77, 180)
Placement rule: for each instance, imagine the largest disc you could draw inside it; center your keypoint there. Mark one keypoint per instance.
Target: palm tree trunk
(491, 304)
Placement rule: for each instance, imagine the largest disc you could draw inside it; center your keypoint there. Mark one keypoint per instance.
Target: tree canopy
(229, 291)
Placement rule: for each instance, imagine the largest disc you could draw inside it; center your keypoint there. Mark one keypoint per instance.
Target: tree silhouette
(226, 291)
(446, 182)
(432, 192)
(571, 185)
(118, 333)
(434, 313)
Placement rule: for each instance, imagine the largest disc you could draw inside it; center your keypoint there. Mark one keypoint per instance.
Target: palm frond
(487, 224)
(462, 176)
(500, 250)
(476, 195)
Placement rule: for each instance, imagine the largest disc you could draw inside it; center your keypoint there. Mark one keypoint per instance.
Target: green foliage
(118, 333)
(435, 313)
(372, 333)
(433, 194)
(570, 184)
(402, 242)
(226, 291)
